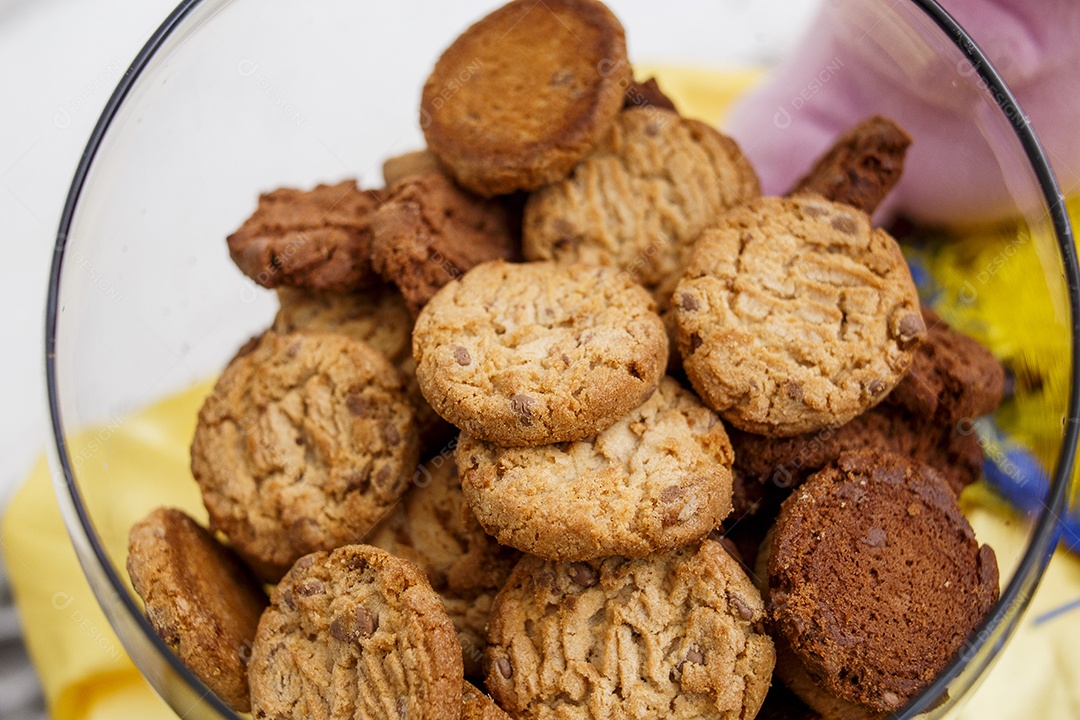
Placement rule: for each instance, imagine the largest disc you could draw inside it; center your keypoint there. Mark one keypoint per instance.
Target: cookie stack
(528, 413)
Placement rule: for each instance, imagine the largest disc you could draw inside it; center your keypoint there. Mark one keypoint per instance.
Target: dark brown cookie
(875, 579)
(952, 378)
(318, 239)
(429, 232)
(355, 633)
(521, 96)
(202, 601)
(861, 167)
(435, 530)
(647, 94)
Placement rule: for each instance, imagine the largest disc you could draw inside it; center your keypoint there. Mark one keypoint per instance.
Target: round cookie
(875, 580)
(795, 315)
(525, 93)
(642, 199)
(435, 530)
(355, 633)
(410, 163)
(318, 239)
(305, 443)
(202, 601)
(377, 316)
(673, 635)
(659, 478)
(538, 353)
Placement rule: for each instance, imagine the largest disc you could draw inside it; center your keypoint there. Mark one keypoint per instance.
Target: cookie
(379, 317)
(647, 94)
(875, 580)
(674, 635)
(429, 232)
(795, 315)
(640, 201)
(402, 166)
(659, 478)
(318, 239)
(435, 530)
(200, 599)
(862, 165)
(952, 378)
(355, 633)
(538, 353)
(525, 93)
(475, 705)
(305, 443)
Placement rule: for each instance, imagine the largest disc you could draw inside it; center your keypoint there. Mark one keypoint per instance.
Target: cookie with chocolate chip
(672, 635)
(355, 633)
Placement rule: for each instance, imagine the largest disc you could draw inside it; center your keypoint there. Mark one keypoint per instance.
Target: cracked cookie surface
(305, 443)
(673, 635)
(355, 633)
(640, 201)
(200, 598)
(659, 478)
(538, 353)
(795, 315)
(434, 529)
(318, 239)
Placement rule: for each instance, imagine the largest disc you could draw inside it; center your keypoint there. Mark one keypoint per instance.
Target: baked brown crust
(402, 166)
(318, 239)
(305, 443)
(673, 635)
(795, 315)
(199, 597)
(355, 633)
(478, 706)
(876, 579)
(862, 165)
(429, 232)
(525, 93)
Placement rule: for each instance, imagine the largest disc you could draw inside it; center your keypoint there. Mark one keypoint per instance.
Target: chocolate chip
(740, 605)
(844, 224)
(652, 129)
(813, 210)
(365, 625)
(671, 494)
(391, 435)
(309, 588)
(462, 356)
(794, 391)
(876, 387)
(566, 359)
(383, 476)
(353, 627)
(287, 598)
(505, 668)
(304, 562)
(875, 537)
(911, 329)
(359, 405)
(521, 405)
(693, 656)
(695, 342)
(356, 482)
(583, 574)
(688, 302)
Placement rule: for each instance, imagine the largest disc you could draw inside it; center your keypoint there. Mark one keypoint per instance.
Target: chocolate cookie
(305, 443)
(402, 166)
(429, 232)
(202, 601)
(640, 201)
(538, 353)
(875, 580)
(673, 635)
(475, 705)
(318, 239)
(659, 478)
(647, 94)
(952, 378)
(435, 530)
(355, 633)
(521, 96)
(795, 315)
(377, 316)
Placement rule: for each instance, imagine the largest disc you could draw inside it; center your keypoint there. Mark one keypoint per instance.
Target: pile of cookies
(570, 411)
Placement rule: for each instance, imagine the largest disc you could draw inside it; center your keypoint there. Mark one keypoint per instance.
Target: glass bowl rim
(1013, 600)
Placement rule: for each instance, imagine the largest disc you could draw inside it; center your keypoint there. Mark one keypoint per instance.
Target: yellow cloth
(128, 468)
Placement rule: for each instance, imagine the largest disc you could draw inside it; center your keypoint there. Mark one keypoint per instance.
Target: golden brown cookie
(318, 239)
(202, 601)
(377, 316)
(429, 232)
(475, 705)
(305, 443)
(538, 353)
(673, 635)
(525, 93)
(355, 633)
(640, 201)
(875, 580)
(434, 529)
(410, 163)
(795, 315)
(657, 479)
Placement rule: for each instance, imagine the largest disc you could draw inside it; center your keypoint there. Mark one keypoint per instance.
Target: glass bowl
(231, 98)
